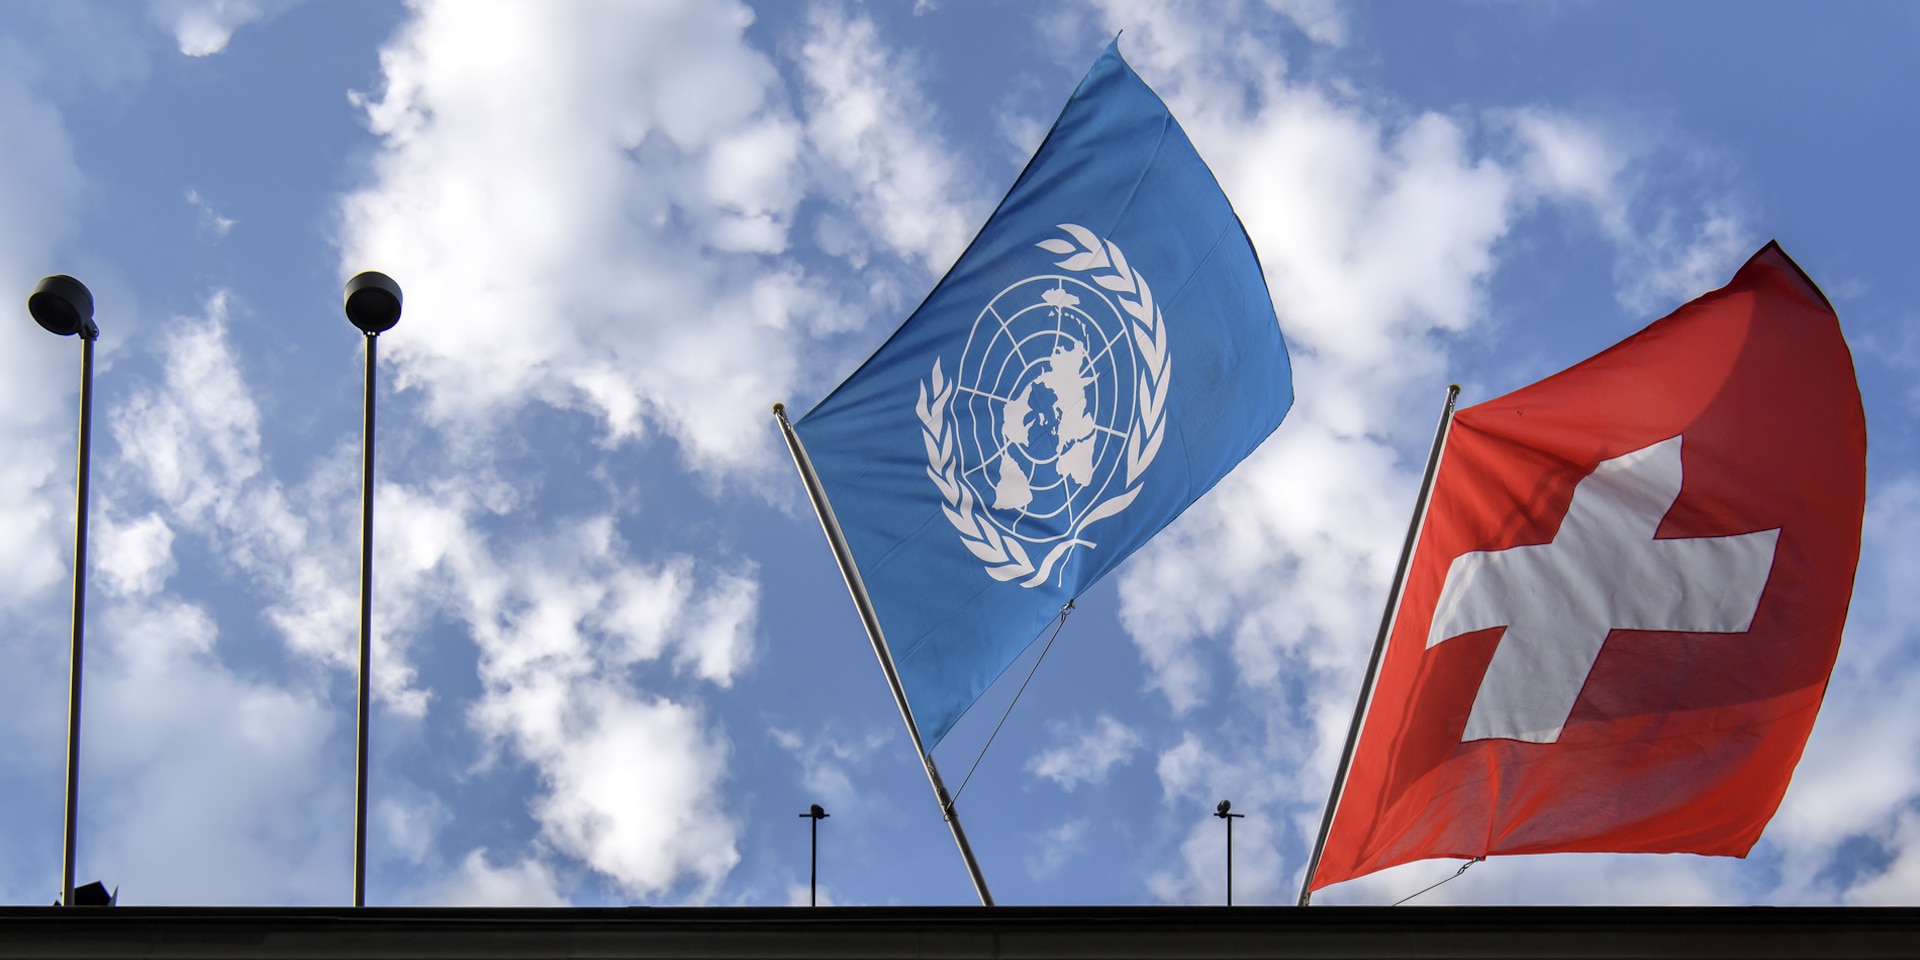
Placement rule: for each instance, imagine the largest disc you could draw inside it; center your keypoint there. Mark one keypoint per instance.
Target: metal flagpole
(871, 621)
(1380, 641)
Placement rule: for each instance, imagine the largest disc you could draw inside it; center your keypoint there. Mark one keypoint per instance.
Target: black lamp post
(373, 305)
(1221, 812)
(815, 814)
(64, 306)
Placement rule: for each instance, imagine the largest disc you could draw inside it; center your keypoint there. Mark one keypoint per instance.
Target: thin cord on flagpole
(1016, 697)
(1456, 876)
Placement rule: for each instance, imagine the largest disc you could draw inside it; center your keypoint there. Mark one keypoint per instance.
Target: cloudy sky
(615, 660)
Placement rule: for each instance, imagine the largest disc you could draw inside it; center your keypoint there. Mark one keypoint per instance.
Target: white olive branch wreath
(1004, 556)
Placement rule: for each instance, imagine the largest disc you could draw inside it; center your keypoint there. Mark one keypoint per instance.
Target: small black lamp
(1221, 811)
(815, 814)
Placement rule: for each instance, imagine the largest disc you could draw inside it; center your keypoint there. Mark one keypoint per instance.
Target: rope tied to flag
(1061, 622)
(1456, 876)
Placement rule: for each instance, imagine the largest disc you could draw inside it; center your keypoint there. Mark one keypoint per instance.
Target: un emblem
(1055, 410)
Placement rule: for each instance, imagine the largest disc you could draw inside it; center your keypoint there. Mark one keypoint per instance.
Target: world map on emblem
(1046, 392)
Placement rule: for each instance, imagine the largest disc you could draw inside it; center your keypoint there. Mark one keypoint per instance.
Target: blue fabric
(1102, 354)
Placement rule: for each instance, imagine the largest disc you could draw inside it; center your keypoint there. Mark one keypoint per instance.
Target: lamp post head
(64, 306)
(373, 302)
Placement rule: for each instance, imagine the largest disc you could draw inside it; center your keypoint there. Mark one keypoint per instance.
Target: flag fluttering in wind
(1100, 356)
(1626, 599)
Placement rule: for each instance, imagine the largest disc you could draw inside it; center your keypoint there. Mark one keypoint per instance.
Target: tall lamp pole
(815, 814)
(1221, 812)
(64, 306)
(373, 305)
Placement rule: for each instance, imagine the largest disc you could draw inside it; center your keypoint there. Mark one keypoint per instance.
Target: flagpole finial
(779, 408)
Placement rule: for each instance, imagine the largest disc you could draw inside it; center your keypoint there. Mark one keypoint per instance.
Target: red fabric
(1679, 742)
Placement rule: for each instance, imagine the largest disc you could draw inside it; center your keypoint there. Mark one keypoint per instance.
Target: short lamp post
(64, 306)
(372, 304)
(1221, 811)
(815, 814)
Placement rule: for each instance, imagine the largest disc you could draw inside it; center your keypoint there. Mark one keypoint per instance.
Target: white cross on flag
(1626, 597)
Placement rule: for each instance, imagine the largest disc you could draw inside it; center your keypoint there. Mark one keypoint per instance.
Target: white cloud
(39, 185)
(197, 439)
(800, 895)
(650, 177)
(211, 222)
(828, 765)
(561, 620)
(1664, 255)
(406, 822)
(630, 779)
(1055, 846)
(203, 785)
(1321, 20)
(1559, 155)
(136, 557)
(1897, 884)
(1089, 756)
(633, 784)
(192, 442)
(478, 883)
(869, 124)
(1254, 775)
(203, 28)
(1022, 131)
(721, 641)
(40, 191)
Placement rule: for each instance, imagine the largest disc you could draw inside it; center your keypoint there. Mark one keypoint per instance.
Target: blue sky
(615, 657)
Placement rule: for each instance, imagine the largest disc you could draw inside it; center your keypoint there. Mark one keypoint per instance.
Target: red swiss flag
(1626, 598)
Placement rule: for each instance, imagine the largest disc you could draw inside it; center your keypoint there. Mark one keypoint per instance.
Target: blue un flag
(1100, 356)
